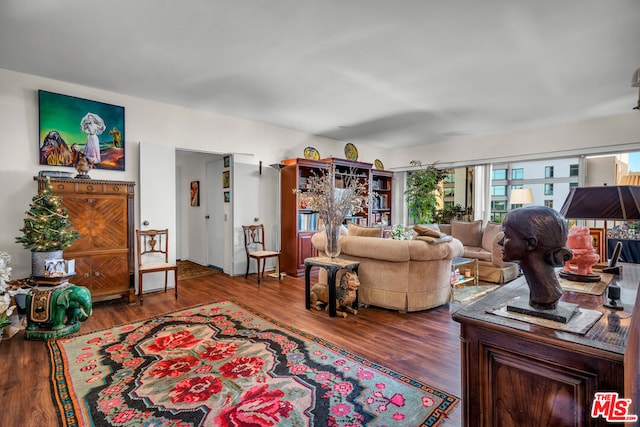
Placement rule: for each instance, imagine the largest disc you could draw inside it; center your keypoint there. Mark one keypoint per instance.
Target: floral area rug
(471, 293)
(225, 365)
(191, 270)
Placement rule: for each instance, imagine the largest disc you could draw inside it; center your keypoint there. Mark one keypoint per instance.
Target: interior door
(215, 218)
(157, 190)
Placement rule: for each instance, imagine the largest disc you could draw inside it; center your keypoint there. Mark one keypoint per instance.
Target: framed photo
(226, 179)
(71, 126)
(195, 193)
(226, 160)
(227, 196)
(599, 243)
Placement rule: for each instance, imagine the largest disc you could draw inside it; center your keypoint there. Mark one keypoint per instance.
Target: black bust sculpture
(536, 237)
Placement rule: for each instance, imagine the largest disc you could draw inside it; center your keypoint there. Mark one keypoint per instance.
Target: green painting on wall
(71, 127)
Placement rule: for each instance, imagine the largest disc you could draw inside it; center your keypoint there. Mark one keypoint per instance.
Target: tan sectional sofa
(482, 243)
(404, 275)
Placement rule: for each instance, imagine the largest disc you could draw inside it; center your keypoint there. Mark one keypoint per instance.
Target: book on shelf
(308, 221)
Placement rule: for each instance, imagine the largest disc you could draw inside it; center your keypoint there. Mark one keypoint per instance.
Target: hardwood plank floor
(423, 345)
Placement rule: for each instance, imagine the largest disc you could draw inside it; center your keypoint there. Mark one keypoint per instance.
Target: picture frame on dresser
(70, 126)
(598, 241)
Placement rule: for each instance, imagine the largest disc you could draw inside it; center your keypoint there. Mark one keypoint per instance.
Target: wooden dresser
(519, 374)
(102, 212)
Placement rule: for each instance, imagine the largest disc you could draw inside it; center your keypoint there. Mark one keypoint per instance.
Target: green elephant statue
(57, 311)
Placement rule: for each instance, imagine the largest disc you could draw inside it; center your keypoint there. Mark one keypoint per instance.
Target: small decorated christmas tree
(46, 224)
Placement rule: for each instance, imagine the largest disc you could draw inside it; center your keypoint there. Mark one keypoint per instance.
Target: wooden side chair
(153, 257)
(254, 246)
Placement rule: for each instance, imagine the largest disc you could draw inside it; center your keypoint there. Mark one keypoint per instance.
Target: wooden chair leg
(140, 287)
(246, 274)
(166, 279)
(258, 260)
(175, 282)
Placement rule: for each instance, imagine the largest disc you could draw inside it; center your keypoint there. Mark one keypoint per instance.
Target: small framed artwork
(71, 128)
(226, 179)
(195, 193)
(598, 242)
(226, 160)
(227, 196)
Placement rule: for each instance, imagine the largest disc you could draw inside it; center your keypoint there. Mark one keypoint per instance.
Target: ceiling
(375, 72)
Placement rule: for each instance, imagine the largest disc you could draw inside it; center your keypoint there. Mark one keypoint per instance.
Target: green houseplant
(47, 229)
(422, 193)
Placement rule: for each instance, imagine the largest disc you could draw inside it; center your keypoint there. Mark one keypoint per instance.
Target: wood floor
(423, 345)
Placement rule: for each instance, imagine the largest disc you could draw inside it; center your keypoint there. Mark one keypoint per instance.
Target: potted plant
(422, 193)
(47, 229)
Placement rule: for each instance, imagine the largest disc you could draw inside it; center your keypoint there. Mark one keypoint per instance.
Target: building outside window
(498, 210)
(548, 203)
(548, 171)
(517, 173)
(499, 174)
(574, 170)
(548, 189)
(498, 190)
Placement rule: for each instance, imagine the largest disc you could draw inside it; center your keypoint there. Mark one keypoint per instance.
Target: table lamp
(521, 196)
(609, 202)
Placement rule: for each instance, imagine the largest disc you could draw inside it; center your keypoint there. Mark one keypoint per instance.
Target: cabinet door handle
(85, 275)
(97, 273)
(91, 201)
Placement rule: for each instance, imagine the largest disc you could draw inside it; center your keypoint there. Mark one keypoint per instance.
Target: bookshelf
(299, 223)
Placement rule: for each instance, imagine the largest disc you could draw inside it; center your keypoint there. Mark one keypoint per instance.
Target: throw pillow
(489, 235)
(426, 231)
(469, 233)
(358, 230)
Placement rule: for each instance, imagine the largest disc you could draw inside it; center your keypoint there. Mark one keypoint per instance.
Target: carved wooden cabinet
(518, 374)
(102, 212)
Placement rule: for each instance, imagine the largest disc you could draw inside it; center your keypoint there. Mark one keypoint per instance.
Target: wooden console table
(520, 374)
(332, 265)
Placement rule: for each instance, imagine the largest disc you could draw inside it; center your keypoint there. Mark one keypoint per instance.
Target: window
(450, 177)
(517, 187)
(573, 184)
(548, 203)
(574, 170)
(449, 191)
(517, 173)
(498, 190)
(548, 171)
(499, 174)
(548, 189)
(499, 205)
(498, 210)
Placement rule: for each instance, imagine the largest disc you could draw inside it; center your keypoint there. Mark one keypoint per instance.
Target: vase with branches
(335, 204)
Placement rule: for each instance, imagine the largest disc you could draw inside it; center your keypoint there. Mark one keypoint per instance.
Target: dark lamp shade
(612, 202)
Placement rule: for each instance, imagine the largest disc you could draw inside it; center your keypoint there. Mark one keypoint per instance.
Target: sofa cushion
(469, 233)
(489, 235)
(426, 231)
(477, 252)
(445, 228)
(358, 230)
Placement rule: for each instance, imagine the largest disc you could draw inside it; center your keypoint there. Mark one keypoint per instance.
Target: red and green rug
(226, 365)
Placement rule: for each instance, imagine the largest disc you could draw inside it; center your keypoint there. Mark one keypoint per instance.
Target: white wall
(146, 121)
